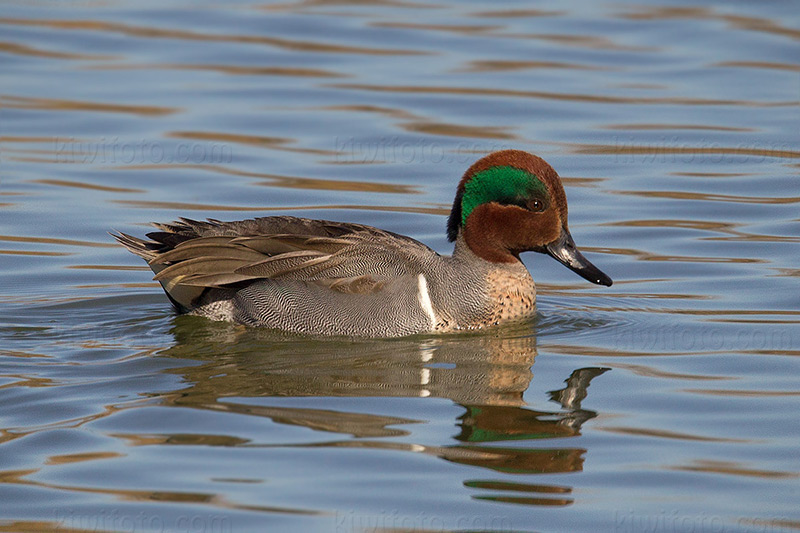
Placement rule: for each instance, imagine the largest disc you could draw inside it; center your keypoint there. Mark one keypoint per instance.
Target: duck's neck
(507, 287)
(463, 252)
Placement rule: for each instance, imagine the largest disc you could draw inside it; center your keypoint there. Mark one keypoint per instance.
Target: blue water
(667, 402)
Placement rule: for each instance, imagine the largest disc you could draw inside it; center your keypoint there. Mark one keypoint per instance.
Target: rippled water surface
(668, 402)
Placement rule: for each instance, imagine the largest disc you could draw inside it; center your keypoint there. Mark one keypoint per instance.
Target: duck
(323, 277)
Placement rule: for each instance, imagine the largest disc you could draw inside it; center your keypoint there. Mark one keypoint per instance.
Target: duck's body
(322, 277)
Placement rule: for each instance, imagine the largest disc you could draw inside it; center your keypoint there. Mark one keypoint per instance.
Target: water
(667, 402)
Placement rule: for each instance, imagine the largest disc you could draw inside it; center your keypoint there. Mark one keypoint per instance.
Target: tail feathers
(147, 250)
(183, 297)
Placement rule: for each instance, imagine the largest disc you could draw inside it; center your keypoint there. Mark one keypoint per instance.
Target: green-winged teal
(317, 276)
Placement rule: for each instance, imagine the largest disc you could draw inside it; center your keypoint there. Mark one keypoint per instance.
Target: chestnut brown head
(511, 202)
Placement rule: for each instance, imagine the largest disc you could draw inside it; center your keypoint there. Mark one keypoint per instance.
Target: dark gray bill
(565, 252)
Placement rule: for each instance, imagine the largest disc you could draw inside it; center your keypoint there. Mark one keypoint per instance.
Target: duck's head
(511, 202)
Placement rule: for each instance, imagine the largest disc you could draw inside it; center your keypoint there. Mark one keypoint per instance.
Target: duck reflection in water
(486, 374)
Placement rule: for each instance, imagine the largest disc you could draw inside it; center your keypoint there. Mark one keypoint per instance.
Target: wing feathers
(283, 264)
(208, 247)
(199, 266)
(189, 255)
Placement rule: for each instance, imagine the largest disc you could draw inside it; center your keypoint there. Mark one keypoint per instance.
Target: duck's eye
(537, 205)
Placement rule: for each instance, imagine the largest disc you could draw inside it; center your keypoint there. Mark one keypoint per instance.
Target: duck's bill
(565, 252)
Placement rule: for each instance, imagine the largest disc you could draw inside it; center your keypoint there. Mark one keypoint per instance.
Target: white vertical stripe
(426, 351)
(425, 299)
(425, 376)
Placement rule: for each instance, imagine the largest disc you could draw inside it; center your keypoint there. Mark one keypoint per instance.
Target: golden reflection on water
(646, 127)
(122, 285)
(159, 33)
(652, 372)
(303, 5)
(178, 206)
(81, 457)
(21, 49)
(663, 434)
(774, 524)
(561, 96)
(291, 182)
(275, 143)
(50, 104)
(759, 64)
(497, 65)
(84, 185)
(701, 13)
(591, 42)
(735, 469)
(33, 253)
(707, 197)
(692, 174)
(518, 13)
(642, 255)
(138, 268)
(745, 393)
(447, 28)
(419, 124)
(22, 477)
(50, 240)
(235, 70)
(24, 139)
(664, 149)
(456, 130)
(583, 41)
(387, 111)
(726, 228)
(42, 160)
